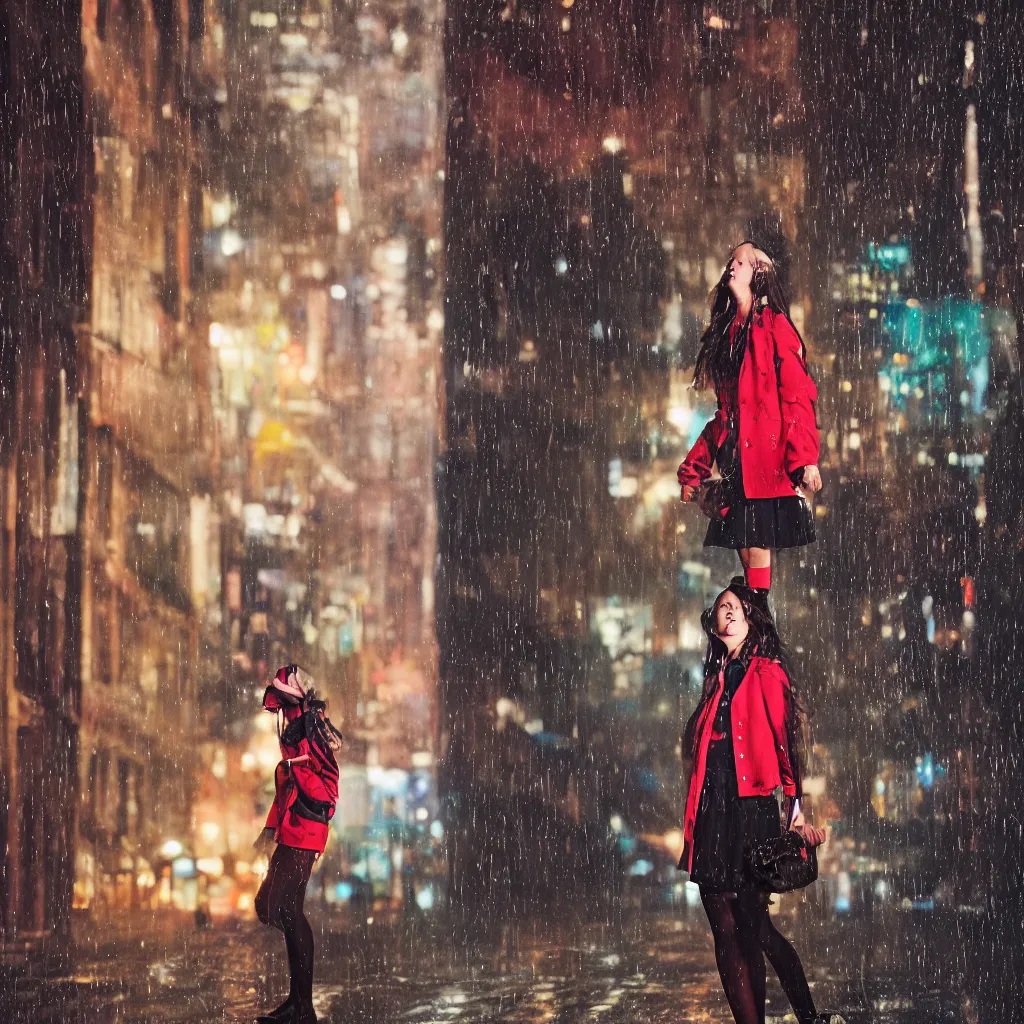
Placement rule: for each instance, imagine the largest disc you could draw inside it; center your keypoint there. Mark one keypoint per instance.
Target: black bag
(310, 809)
(714, 498)
(782, 864)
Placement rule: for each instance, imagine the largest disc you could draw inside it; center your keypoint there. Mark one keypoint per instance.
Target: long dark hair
(762, 639)
(717, 361)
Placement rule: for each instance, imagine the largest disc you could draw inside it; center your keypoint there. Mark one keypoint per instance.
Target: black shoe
(282, 1015)
(753, 594)
(303, 1014)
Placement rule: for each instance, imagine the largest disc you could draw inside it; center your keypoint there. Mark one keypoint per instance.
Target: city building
(146, 457)
(44, 358)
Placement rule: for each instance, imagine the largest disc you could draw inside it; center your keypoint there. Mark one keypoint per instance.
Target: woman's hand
(811, 480)
(811, 836)
(688, 493)
(289, 761)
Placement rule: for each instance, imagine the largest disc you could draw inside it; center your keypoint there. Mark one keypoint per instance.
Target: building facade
(44, 175)
(147, 455)
(104, 452)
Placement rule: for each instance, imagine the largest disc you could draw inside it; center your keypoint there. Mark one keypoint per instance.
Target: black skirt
(773, 523)
(726, 825)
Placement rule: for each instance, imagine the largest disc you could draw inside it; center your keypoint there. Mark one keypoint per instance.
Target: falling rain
(351, 369)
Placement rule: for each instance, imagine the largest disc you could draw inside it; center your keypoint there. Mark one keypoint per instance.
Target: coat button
(741, 757)
(744, 778)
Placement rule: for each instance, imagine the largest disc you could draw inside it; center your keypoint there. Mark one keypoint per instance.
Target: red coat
(318, 781)
(778, 432)
(760, 743)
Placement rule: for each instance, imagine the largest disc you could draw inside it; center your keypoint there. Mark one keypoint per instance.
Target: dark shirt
(729, 396)
(720, 759)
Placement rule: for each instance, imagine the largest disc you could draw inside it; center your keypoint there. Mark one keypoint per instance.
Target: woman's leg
(748, 923)
(784, 960)
(265, 897)
(739, 958)
(757, 567)
(279, 904)
(298, 935)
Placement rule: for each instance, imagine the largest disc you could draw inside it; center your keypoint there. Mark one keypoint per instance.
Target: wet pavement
(655, 969)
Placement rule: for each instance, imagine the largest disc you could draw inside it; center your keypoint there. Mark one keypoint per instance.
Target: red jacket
(760, 741)
(318, 780)
(778, 432)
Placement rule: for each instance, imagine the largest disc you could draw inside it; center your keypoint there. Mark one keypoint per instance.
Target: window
(135, 18)
(104, 485)
(155, 528)
(88, 797)
(170, 294)
(165, 16)
(124, 794)
(196, 20)
(103, 647)
(64, 491)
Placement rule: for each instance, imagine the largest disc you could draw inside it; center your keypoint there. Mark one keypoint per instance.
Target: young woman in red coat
(742, 739)
(764, 436)
(306, 793)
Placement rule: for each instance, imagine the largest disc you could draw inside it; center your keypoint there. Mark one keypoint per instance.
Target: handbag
(312, 810)
(782, 864)
(714, 499)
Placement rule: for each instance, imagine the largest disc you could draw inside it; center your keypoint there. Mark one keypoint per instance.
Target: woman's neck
(733, 648)
(743, 307)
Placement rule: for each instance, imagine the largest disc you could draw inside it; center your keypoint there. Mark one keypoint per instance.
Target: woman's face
(731, 624)
(290, 685)
(740, 269)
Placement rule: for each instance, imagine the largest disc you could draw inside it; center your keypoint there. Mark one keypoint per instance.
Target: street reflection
(528, 972)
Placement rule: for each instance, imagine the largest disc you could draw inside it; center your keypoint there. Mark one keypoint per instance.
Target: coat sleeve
(778, 704)
(696, 467)
(278, 807)
(797, 395)
(308, 776)
(273, 816)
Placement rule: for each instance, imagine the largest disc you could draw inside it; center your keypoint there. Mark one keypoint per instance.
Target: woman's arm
(306, 772)
(273, 815)
(778, 700)
(775, 688)
(792, 811)
(797, 395)
(696, 467)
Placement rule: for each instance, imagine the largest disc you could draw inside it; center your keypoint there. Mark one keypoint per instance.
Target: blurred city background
(359, 334)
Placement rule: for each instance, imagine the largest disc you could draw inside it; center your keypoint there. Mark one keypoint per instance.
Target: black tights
(279, 904)
(744, 936)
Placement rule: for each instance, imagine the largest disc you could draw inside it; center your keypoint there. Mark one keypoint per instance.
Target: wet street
(654, 969)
